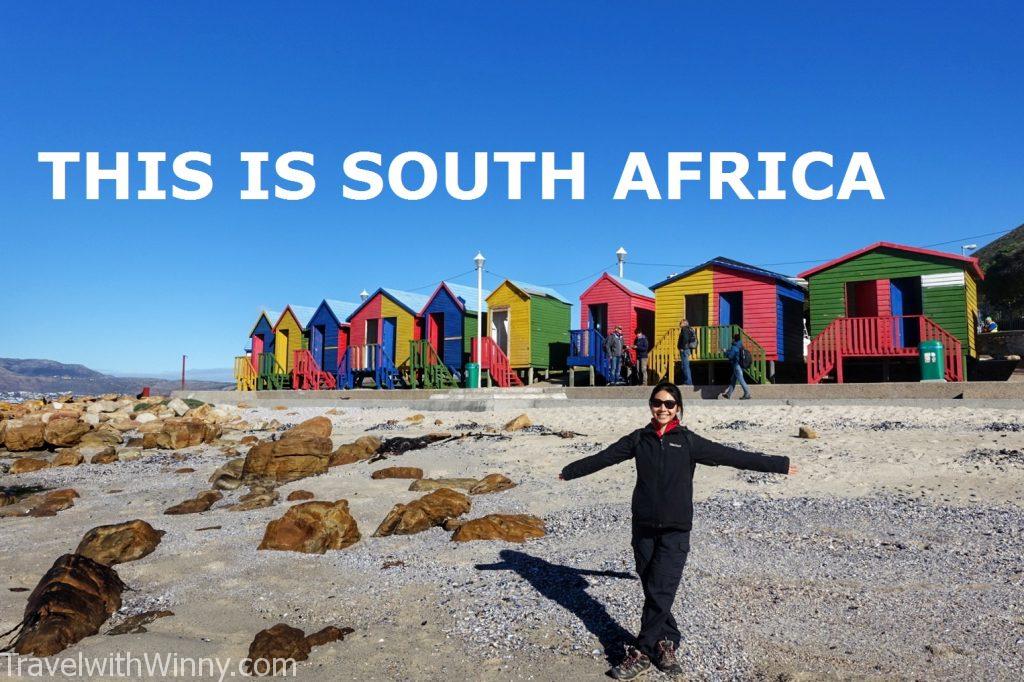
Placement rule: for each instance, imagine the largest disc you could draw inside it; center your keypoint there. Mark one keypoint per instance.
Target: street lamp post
(967, 247)
(621, 255)
(479, 260)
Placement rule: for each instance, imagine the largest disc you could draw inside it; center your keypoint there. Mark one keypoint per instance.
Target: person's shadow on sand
(567, 587)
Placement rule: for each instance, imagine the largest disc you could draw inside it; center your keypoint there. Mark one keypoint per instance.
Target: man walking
(614, 347)
(686, 344)
(642, 347)
(739, 361)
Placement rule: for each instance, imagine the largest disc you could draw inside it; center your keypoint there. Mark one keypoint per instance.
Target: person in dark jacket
(735, 355)
(686, 344)
(666, 454)
(614, 348)
(642, 347)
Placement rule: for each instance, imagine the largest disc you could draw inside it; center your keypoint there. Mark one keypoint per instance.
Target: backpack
(746, 359)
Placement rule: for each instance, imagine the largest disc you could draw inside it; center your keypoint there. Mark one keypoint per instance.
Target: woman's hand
(792, 469)
(561, 477)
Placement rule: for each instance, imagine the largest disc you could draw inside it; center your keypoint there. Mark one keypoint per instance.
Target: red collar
(668, 427)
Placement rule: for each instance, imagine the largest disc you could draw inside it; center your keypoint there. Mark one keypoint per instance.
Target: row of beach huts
(874, 305)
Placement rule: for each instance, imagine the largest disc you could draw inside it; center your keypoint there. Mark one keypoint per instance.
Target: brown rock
(25, 464)
(492, 483)
(184, 470)
(312, 528)
(182, 433)
(414, 418)
(229, 475)
(520, 422)
(327, 635)
(106, 456)
(807, 432)
(277, 643)
(439, 483)
(506, 527)
(452, 524)
(289, 459)
(72, 600)
(46, 503)
(64, 431)
(317, 426)
(133, 625)
(397, 472)
(69, 457)
(120, 542)
(102, 435)
(249, 440)
(419, 515)
(438, 422)
(362, 448)
(257, 499)
(297, 495)
(199, 503)
(24, 434)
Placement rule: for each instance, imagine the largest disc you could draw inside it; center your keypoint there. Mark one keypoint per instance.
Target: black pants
(660, 556)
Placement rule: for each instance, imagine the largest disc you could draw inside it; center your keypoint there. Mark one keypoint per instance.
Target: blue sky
(932, 91)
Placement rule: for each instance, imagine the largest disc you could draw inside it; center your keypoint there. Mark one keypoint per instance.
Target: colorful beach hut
(261, 339)
(448, 319)
(722, 297)
(380, 330)
(882, 301)
(608, 303)
(528, 330)
(290, 335)
(328, 333)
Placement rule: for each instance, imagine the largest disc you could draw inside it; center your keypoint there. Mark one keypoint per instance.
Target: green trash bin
(472, 375)
(932, 359)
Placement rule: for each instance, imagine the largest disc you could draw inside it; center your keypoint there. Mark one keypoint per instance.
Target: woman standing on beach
(666, 454)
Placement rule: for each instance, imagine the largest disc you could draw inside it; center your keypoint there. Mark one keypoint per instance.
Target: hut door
(436, 333)
(499, 328)
(730, 308)
(257, 348)
(387, 338)
(905, 299)
(598, 317)
(281, 348)
(696, 308)
(862, 299)
(316, 343)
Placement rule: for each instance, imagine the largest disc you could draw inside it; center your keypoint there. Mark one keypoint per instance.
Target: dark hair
(669, 387)
(736, 337)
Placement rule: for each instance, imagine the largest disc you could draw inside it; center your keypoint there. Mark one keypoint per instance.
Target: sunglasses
(670, 404)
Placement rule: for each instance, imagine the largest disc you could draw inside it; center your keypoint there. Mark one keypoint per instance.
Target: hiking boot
(635, 664)
(666, 659)
(723, 396)
(746, 397)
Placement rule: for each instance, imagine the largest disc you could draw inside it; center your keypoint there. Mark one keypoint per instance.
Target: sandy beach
(894, 554)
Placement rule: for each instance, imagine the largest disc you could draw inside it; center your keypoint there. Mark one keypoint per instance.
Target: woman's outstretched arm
(715, 454)
(620, 451)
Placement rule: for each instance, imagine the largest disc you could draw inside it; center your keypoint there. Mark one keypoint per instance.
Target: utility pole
(183, 371)
(479, 261)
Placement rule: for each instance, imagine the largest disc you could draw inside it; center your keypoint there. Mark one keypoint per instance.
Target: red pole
(183, 372)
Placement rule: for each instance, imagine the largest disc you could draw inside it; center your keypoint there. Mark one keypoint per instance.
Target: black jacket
(663, 496)
(686, 336)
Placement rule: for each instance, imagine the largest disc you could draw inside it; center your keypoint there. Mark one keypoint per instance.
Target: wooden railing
(713, 343)
(307, 375)
(245, 373)
(878, 337)
(271, 375)
(367, 360)
(494, 360)
(426, 368)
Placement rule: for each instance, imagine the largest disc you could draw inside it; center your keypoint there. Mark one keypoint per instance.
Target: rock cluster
(46, 503)
(313, 528)
(426, 512)
(72, 600)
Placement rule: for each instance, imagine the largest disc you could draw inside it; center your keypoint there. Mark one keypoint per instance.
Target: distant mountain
(49, 376)
(1002, 292)
(219, 374)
